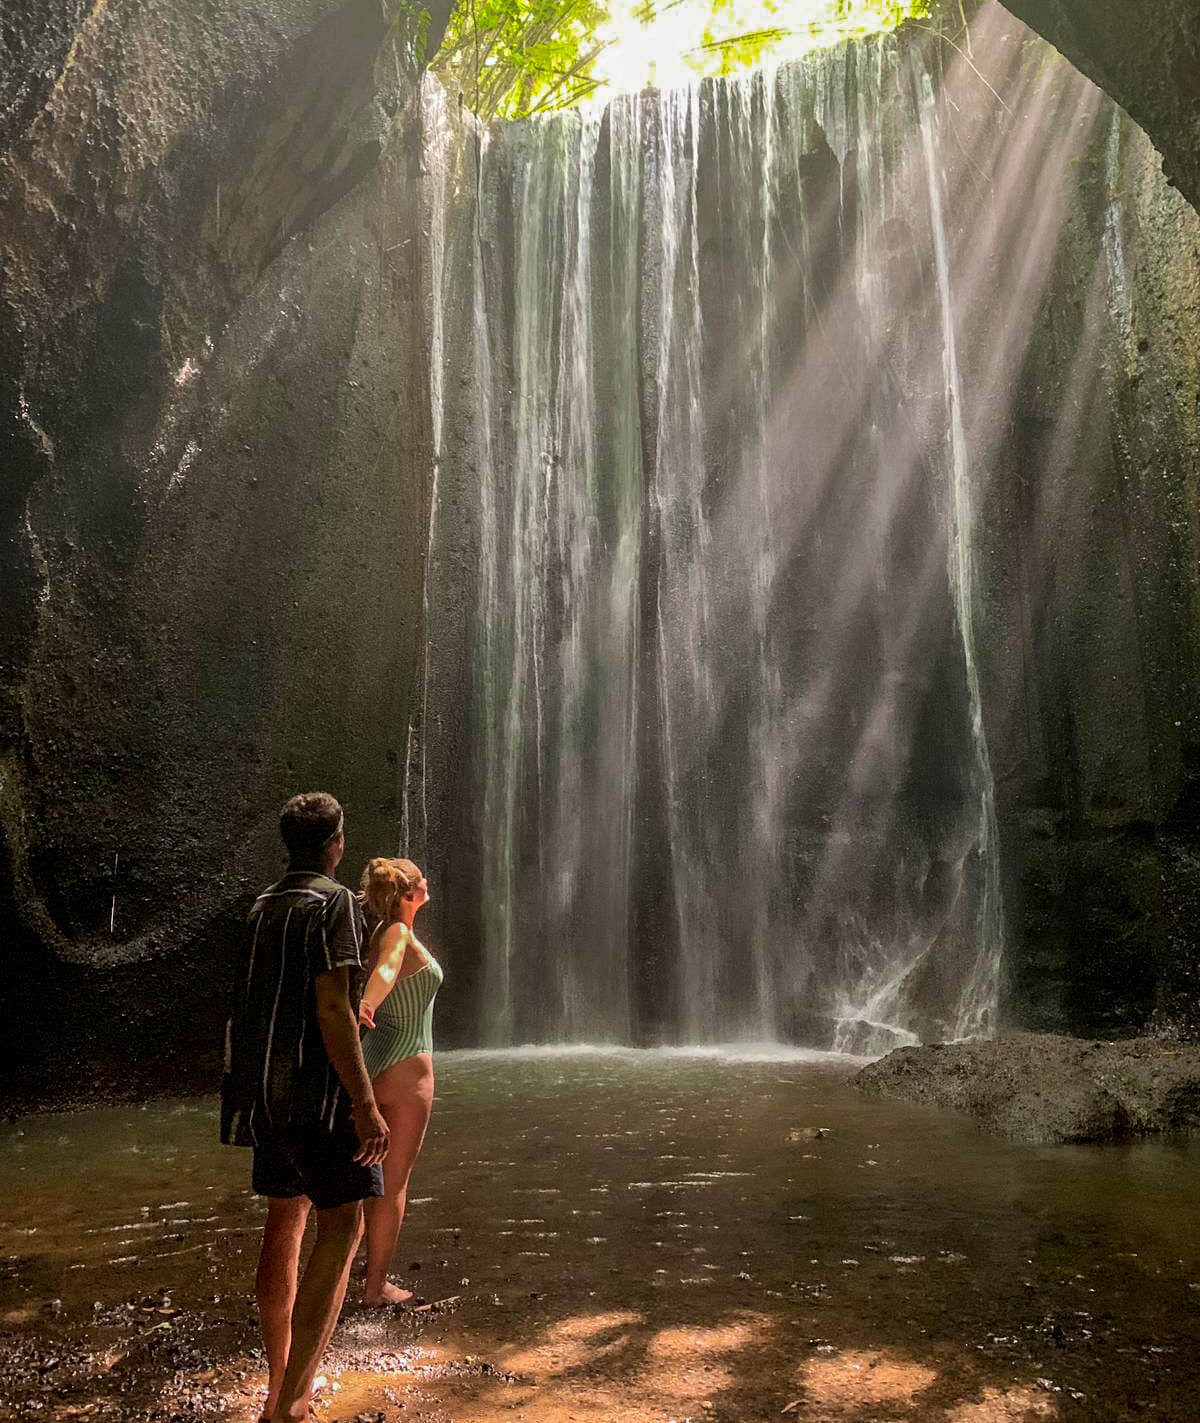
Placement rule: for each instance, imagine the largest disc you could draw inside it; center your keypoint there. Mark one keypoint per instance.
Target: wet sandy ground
(625, 1238)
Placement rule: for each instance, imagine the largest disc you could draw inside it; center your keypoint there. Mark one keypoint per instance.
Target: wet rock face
(1087, 551)
(1153, 77)
(214, 419)
(1049, 1089)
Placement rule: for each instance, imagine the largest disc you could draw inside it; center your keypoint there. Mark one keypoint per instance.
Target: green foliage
(741, 33)
(515, 58)
(409, 26)
(729, 55)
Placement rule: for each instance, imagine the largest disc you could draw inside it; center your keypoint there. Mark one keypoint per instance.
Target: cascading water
(711, 700)
(975, 1010)
(435, 202)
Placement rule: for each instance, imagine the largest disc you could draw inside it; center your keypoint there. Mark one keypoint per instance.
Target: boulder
(1043, 1088)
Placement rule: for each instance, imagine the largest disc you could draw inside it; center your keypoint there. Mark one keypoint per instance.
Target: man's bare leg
(318, 1304)
(278, 1265)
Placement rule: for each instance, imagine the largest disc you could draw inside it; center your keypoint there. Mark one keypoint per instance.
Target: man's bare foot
(388, 1294)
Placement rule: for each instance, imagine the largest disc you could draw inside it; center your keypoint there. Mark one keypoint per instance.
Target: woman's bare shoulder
(390, 936)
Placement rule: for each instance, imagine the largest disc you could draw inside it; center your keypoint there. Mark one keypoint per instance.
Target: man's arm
(339, 1033)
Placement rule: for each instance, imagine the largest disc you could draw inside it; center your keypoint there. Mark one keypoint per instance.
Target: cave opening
(518, 60)
(720, 493)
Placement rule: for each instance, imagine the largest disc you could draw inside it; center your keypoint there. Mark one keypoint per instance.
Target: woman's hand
(366, 1015)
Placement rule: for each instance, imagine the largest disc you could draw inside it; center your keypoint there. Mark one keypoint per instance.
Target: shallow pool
(628, 1236)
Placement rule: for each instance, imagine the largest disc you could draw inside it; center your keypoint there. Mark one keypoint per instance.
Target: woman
(397, 1011)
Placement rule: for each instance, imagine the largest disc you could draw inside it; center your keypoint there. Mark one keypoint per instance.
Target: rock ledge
(1041, 1088)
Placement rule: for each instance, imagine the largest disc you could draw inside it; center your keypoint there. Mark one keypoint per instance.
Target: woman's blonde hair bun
(385, 882)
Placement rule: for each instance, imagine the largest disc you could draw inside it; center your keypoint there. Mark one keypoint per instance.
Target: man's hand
(366, 1015)
(339, 1033)
(372, 1133)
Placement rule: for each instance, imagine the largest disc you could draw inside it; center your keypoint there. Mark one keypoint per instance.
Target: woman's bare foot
(388, 1293)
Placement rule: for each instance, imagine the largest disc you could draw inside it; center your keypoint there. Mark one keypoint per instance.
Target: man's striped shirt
(277, 1073)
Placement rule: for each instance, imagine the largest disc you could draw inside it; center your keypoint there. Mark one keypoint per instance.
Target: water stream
(718, 729)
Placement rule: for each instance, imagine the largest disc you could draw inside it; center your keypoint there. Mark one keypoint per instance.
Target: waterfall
(708, 693)
(975, 1010)
(687, 697)
(435, 201)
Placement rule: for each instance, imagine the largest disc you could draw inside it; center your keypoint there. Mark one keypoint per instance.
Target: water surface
(626, 1235)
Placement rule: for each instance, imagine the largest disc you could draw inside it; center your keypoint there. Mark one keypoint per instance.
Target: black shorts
(317, 1163)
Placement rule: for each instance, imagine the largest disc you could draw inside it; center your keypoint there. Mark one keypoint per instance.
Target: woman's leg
(406, 1110)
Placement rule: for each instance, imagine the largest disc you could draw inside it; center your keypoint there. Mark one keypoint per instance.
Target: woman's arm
(376, 945)
(388, 958)
(366, 1014)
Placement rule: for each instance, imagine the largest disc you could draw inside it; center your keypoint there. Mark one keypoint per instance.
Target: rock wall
(1089, 480)
(1153, 73)
(215, 427)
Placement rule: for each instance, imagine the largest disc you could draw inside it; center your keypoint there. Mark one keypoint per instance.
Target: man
(295, 1090)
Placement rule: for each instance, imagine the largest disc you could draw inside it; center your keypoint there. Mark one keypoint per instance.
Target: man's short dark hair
(308, 823)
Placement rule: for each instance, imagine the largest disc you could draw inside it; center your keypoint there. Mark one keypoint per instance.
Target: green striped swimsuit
(404, 1020)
